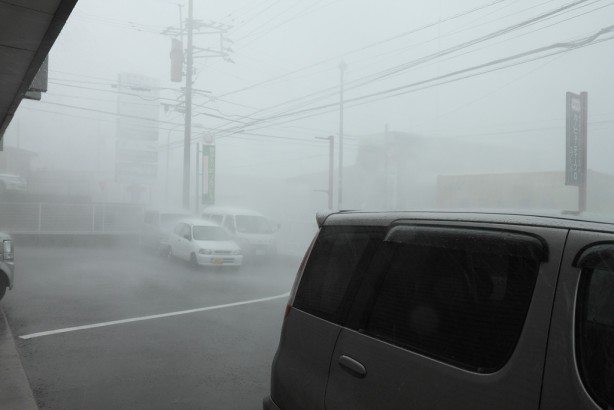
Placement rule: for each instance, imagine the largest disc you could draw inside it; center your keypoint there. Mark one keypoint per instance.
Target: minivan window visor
(596, 256)
(508, 242)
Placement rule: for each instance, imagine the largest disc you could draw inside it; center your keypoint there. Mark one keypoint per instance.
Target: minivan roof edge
(321, 216)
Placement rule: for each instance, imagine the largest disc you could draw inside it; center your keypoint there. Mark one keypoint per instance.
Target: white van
(255, 233)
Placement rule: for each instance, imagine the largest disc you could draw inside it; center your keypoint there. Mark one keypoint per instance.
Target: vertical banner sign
(208, 196)
(576, 158)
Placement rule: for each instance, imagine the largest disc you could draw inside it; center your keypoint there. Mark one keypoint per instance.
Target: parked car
(157, 226)
(255, 233)
(12, 183)
(450, 310)
(205, 243)
(7, 263)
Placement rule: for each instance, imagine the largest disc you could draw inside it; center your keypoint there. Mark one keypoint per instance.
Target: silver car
(7, 263)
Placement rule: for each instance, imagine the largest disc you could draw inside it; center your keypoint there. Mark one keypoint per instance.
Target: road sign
(576, 147)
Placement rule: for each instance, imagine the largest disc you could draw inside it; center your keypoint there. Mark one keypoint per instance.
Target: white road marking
(139, 319)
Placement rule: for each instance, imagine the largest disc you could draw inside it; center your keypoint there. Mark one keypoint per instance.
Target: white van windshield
(253, 224)
(209, 233)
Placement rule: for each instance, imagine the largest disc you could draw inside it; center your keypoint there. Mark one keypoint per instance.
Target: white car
(203, 243)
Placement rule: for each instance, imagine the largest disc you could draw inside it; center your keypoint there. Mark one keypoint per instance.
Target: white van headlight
(7, 250)
(205, 251)
(236, 252)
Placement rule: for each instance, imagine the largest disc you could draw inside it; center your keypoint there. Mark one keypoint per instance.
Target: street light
(331, 154)
(342, 67)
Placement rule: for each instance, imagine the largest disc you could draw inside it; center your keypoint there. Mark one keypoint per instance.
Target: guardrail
(50, 218)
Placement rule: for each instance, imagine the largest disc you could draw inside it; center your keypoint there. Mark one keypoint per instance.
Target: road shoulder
(15, 391)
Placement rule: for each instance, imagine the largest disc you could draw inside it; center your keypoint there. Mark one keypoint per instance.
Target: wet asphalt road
(213, 359)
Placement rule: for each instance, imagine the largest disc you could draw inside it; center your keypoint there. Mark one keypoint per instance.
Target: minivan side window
(214, 218)
(229, 223)
(186, 232)
(339, 256)
(457, 295)
(595, 326)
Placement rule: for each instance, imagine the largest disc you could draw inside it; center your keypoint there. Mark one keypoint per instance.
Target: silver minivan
(450, 310)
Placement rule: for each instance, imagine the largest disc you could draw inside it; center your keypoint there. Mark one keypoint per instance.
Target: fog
(287, 51)
(436, 105)
(473, 91)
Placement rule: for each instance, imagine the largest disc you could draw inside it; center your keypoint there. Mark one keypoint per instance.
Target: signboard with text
(208, 193)
(136, 149)
(575, 163)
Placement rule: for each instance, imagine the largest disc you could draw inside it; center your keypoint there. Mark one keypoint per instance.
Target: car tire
(2, 289)
(194, 261)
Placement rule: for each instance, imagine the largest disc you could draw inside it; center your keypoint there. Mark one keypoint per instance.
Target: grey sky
(520, 107)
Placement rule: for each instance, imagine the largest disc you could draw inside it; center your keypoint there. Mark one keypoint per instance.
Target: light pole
(331, 159)
(342, 67)
(197, 179)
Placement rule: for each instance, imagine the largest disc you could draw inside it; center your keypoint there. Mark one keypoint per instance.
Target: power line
(135, 117)
(263, 25)
(356, 50)
(331, 91)
(263, 30)
(388, 72)
(424, 84)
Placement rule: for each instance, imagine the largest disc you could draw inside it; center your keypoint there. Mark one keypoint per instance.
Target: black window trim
(401, 233)
(587, 260)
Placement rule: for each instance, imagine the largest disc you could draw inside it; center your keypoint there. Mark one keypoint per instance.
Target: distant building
(397, 170)
(531, 190)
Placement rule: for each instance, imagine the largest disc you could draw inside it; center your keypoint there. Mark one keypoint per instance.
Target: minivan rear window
(338, 260)
(457, 295)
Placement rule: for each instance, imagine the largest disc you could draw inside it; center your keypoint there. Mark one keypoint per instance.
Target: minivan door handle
(352, 366)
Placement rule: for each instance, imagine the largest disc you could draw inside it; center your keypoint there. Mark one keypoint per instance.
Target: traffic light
(176, 60)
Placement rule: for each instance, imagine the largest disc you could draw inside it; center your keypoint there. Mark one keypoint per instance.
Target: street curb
(15, 391)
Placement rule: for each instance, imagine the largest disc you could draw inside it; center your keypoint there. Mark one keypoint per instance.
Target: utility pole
(197, 180)
(331, 160)
(192, 27)
(187, 138)
(342, 67)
